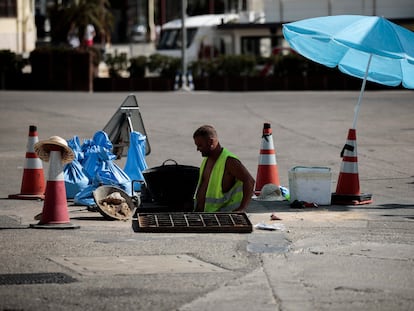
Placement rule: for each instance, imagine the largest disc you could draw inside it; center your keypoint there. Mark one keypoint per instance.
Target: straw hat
(43, 147)
(269, 192)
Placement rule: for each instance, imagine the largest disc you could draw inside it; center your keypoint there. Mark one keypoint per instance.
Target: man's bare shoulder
(233, 162)
(236, 168)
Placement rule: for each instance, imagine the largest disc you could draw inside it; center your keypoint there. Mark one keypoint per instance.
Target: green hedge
(222, 66)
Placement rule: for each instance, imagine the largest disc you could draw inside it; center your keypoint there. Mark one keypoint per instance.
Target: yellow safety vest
(215, 198)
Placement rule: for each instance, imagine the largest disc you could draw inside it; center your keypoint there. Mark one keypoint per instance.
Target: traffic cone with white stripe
(33, 181)
(347, 188)
(267, 171)
(55, 214)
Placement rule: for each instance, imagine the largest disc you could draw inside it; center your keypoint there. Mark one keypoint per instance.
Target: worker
(224, 184)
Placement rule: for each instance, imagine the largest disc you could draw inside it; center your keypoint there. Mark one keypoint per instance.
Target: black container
(172, 185)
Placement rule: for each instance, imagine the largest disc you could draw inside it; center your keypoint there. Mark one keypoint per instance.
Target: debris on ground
(273, 216)
(272, 227)
(115, 205)
(302, 204)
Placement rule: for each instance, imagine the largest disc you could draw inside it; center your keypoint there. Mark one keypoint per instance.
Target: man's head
(205, 138)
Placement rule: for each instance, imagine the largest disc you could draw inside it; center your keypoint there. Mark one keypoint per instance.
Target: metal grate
(193, 222)
(35, 278)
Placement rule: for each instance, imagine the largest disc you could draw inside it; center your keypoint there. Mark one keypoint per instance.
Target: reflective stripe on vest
(230, 200)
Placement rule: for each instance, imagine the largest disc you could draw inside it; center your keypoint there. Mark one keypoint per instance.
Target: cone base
(344, 199)
(27, 196)
(54, 226)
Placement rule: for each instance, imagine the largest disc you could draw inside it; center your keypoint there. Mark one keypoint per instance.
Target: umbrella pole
(361, 93)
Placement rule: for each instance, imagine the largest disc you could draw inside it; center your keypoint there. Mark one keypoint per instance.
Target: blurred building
(23, 23)
(17, 26)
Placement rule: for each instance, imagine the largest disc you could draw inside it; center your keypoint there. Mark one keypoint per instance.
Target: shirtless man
(224, 182)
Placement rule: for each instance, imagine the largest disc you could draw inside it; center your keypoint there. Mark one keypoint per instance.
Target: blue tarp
(135, 162)
(94, 166)
(74, 175)
(99, 167)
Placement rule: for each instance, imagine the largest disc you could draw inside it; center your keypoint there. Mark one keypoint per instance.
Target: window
(171, 38)
(8, 8)
(257, 46)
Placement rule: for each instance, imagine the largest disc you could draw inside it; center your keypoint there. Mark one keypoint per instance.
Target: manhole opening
(35, 278)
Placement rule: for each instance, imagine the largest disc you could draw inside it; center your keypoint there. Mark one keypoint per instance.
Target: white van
(203, 39)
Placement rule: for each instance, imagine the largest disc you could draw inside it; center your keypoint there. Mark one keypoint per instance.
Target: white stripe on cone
(349, 167)
(267, 159)
(56, 166)
(33, 163)
(267, 145)
(32, 140)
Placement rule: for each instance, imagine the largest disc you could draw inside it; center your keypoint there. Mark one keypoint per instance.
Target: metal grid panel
(193, 222)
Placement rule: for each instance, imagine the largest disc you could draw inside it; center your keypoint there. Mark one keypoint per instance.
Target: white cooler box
(310, 184)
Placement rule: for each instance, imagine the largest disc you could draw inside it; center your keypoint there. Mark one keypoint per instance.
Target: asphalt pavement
(334, 257)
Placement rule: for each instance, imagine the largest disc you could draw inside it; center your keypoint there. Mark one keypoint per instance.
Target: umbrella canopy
(367, 47)
(348, 41)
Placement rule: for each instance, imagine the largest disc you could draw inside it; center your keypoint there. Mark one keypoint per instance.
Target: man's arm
(240, 172)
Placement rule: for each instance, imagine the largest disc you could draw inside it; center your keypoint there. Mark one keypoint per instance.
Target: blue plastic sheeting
(94, 163)
(135, 162)
(74, 175)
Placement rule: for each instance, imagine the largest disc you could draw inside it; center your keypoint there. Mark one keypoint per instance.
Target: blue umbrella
(368, 47)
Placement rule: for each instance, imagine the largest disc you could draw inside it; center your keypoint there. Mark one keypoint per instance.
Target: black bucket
(172, 185)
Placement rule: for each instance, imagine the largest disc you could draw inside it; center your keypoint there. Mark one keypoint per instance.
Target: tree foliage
(81, 13)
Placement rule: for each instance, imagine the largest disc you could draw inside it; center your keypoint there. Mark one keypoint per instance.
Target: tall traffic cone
(267, 171)
(33, 180)
(347, 188)
(55, 214)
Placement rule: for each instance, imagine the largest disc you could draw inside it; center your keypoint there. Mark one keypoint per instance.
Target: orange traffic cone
(33, 180)
(55, 214)
(267, 171)
(347, 188)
